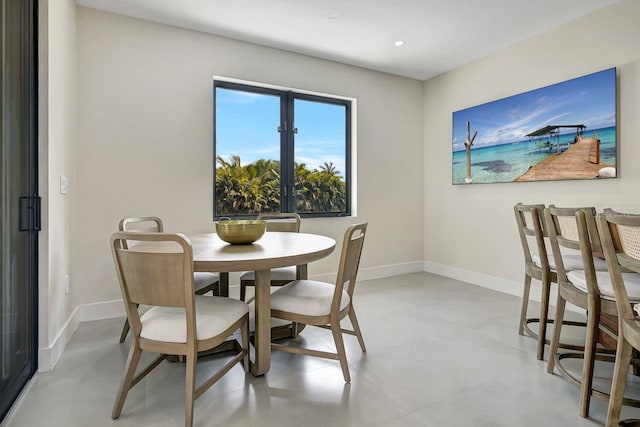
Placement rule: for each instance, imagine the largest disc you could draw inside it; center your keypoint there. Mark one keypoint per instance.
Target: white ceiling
(440, 34)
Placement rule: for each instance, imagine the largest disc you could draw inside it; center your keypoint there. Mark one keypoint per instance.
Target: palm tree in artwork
(467, 145)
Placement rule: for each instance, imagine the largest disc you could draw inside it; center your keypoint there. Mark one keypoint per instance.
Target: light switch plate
(64, 184)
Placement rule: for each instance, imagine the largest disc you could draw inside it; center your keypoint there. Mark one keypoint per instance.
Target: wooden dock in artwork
(571, 164)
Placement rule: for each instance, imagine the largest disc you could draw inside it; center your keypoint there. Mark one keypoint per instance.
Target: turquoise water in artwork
(506, 162)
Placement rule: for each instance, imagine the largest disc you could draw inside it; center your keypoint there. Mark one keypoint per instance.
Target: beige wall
(145, 140)
(470, 230)
(57, 101)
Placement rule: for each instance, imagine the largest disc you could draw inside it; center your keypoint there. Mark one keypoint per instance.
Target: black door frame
(29, 204)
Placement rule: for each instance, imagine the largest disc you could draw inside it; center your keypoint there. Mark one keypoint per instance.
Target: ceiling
(439, 35)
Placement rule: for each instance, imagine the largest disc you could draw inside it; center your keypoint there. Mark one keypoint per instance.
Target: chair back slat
(146, 224)
(575, 229)
(153, 278)
(350, 258)
(588, 248)
(284, 222)
(157, 271)
(530, 223)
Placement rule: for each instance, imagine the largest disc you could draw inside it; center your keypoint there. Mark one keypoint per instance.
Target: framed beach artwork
(563, 131)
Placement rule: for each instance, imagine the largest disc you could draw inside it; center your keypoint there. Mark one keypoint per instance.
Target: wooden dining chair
(536, 266)
(575, 229)
(283, 222)
(158, 272)
(620, 235)
(324, 304)
(203, 282)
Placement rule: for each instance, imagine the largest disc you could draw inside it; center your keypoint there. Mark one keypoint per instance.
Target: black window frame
(287, 145)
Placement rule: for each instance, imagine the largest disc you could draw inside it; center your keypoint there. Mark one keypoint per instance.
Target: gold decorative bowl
(240, 231)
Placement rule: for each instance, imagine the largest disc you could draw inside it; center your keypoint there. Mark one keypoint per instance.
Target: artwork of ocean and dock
(563, 131)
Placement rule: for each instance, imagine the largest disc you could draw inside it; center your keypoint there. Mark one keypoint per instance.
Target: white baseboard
(379, 272)
(486, 281)
(102, 310)
(506, 286)
(48, 356)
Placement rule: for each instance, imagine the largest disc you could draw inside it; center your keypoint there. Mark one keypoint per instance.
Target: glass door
(19, 203)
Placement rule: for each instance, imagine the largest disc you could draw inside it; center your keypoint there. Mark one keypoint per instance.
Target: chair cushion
(631, 282)
(282, 273)
(307, 297)
(572, 262)
(202, 280)
(213, 316)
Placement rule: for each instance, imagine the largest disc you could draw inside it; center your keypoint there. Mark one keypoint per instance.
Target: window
(280, 151)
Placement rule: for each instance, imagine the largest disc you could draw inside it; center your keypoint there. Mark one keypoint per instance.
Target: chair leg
(620, 371)
(129, 373)
(544, 312)
(557, 328)
(243, 290)
(593, 320)
(295, 329)
(125, 330)
(190, 386)
(356, 328)
(525, 303)
(244, 333)
(342, 354)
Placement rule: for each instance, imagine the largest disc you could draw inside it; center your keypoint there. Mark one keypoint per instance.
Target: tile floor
(440, 353)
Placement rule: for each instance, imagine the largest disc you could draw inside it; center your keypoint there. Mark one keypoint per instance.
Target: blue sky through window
(247, 123)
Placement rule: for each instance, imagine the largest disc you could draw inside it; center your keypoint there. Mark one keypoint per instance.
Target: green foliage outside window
(254, 188)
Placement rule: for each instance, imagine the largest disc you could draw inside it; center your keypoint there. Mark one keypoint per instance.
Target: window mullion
(288, 200)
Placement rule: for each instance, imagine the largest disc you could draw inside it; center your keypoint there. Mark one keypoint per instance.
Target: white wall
(56, 127)
(470, 231)
(145, 141)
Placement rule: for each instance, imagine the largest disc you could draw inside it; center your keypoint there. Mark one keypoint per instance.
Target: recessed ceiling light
(332, 14)
(399, 43)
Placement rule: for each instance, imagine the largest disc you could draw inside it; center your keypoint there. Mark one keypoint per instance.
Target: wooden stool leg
(635, 354)
(593, 317)
(623, 358)
(557, 328)
(544, 311)
(525, 304)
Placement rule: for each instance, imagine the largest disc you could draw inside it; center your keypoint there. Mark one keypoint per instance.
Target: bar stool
(528, 219)
(620, 235)
(575, 229)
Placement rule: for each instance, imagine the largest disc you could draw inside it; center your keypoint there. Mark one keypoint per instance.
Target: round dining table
(272, 250)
